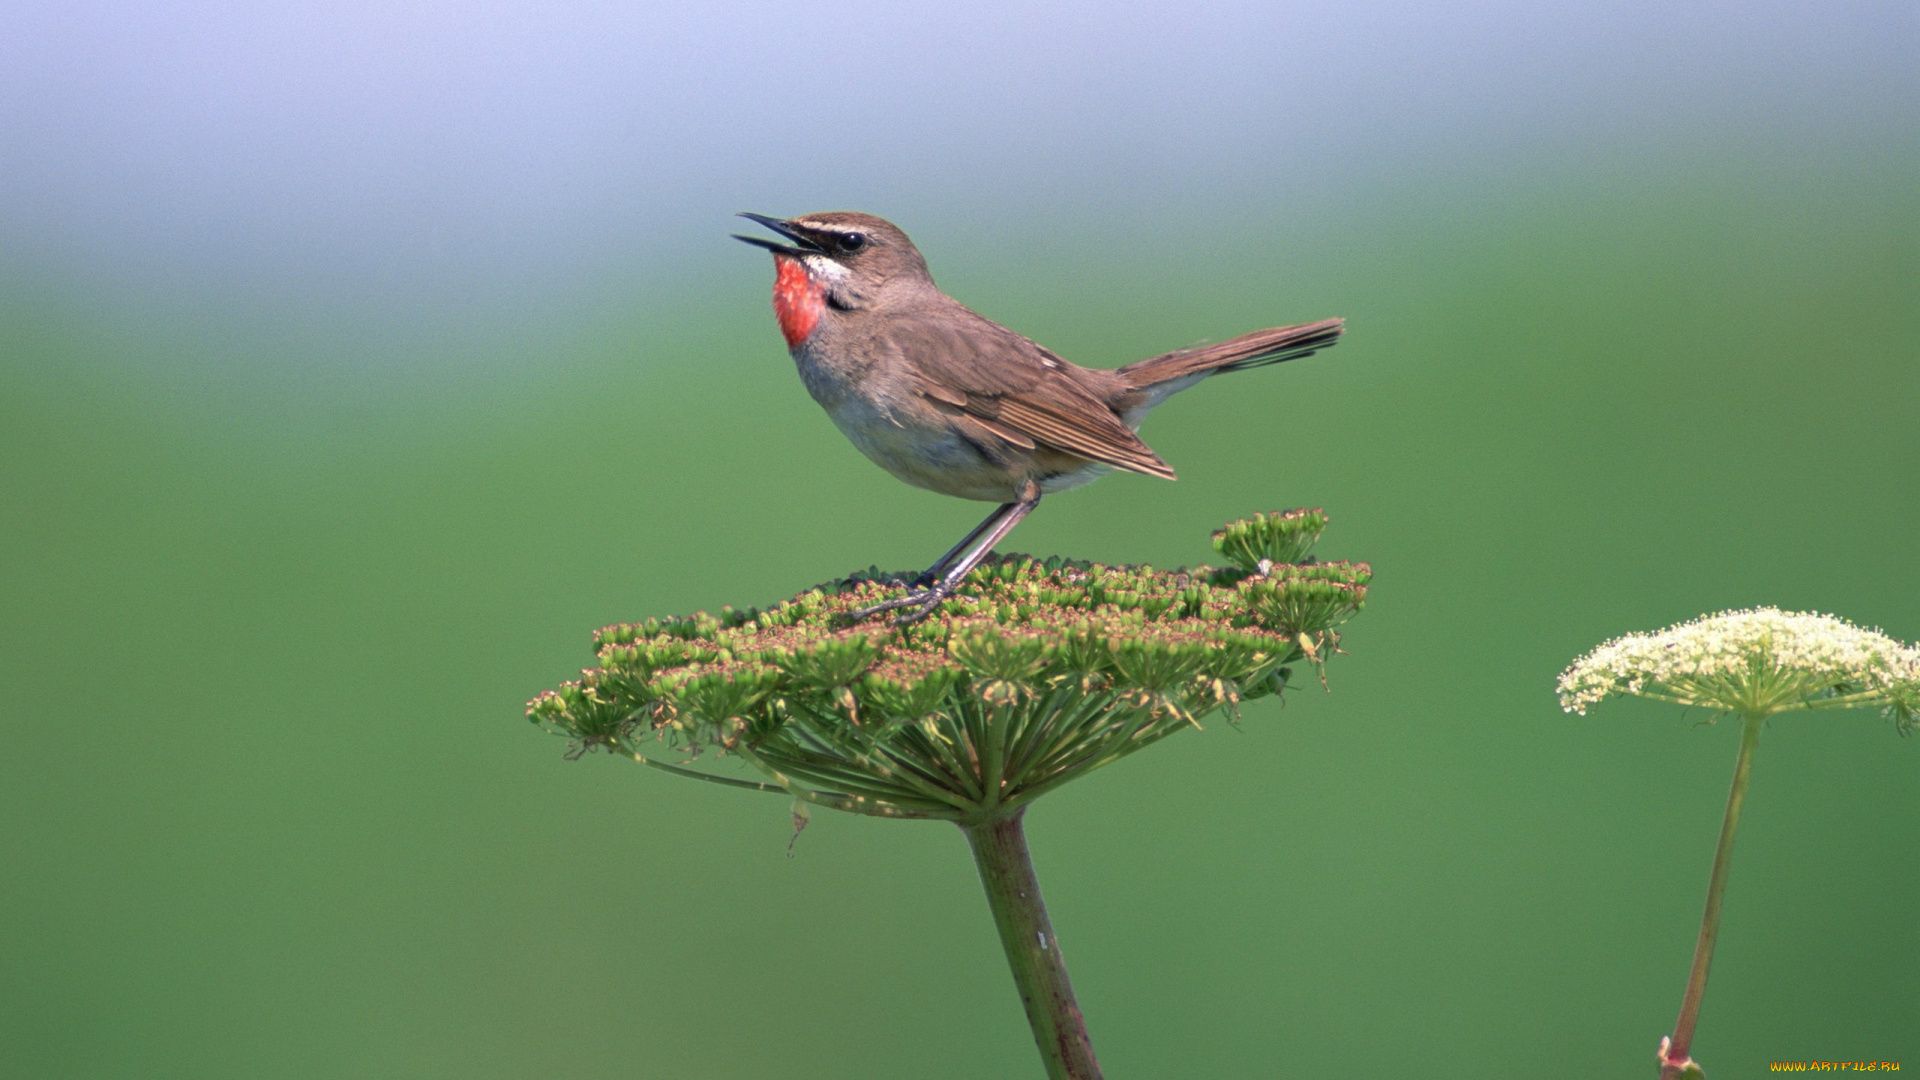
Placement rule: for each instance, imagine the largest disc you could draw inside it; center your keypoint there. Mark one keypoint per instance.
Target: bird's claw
(934, 598)
(922, 601)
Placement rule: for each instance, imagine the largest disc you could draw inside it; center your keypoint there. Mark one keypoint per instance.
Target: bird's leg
(932, 573)
(939, 565)
(923, 601)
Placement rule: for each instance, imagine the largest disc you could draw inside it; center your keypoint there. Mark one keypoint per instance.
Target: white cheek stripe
(825, 269)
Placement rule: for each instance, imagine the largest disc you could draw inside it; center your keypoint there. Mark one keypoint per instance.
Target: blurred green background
(285, 544)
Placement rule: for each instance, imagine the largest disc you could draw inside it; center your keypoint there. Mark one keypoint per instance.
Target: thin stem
(876, 763)
(938, 751)
(1653, 695)
(874, 756)
(1674, 1052)
(1098, 758)
(1066, 725)
(851, 803)
(994, 750)
(852, 778)
(1842, 701)
(1039, 971)
(729, 781)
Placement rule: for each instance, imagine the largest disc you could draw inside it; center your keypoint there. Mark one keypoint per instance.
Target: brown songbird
(948, 400)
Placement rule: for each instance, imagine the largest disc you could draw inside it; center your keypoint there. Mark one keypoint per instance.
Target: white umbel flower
(1752, 662)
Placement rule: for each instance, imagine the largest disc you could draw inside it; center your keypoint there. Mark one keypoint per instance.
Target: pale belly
(934, 459)
(939, 459)
(929, 453)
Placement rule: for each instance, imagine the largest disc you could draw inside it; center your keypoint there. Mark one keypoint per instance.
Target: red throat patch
(798, 300)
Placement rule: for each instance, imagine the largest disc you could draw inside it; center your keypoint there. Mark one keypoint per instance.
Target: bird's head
(838, 261)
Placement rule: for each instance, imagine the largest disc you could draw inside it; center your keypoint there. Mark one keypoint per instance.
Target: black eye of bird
(852, 242)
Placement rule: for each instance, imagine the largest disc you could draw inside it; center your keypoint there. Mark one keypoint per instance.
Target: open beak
(805, 246)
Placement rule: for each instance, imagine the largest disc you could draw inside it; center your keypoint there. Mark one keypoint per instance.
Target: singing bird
(948, 400)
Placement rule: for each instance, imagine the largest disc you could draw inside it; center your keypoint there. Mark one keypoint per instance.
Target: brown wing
(992, 378)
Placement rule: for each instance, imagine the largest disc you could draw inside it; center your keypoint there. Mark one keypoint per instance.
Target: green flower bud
(1263, 540)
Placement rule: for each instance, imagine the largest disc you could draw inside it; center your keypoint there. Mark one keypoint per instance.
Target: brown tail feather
(1258, 349)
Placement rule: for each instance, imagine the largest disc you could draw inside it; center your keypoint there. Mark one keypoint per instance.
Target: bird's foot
(922, 601)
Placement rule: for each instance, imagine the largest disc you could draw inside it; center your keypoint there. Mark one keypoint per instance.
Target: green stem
(994, 752)
(1841, 701)
(851, 803)
(1674, 1052)
(1006, 870)
(696, 774)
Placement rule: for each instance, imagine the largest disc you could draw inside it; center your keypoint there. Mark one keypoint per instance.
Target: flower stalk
(1675, 1059)
(1033, 952)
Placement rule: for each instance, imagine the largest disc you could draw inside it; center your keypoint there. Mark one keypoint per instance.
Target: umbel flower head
(1032, 674)
(1753, 662)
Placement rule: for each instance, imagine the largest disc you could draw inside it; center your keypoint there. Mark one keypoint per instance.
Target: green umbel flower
(1034, 673)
